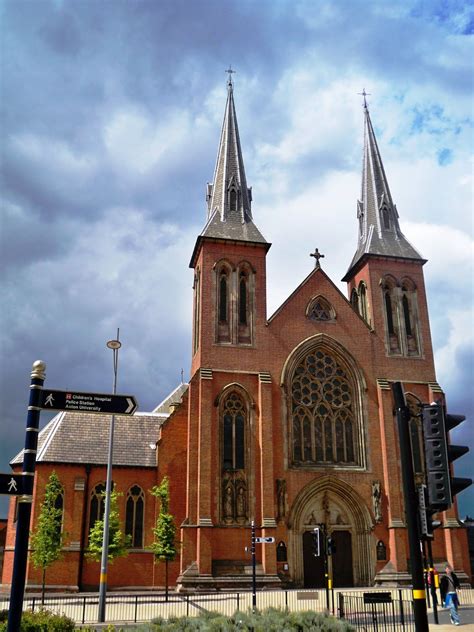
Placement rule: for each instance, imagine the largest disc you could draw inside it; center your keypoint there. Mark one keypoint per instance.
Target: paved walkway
(467, 620)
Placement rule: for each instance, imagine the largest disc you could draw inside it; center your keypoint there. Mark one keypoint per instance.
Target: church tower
(229, 315)
(386, 288)
(385, 278)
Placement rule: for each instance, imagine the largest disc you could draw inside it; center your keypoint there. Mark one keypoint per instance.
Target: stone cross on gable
(317, 255)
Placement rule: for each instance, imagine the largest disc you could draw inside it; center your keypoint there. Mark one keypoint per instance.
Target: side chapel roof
(75, 437)
(379, 228)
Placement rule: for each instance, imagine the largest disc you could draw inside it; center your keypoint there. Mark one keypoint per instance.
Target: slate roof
(72, 437)
(224, 220)
(375, 238)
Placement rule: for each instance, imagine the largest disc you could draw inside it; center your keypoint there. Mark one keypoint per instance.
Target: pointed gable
(379, 228)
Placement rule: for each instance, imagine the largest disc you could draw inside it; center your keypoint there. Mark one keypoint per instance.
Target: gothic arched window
(355, 300)
(386, 217)
(363, 301)
(391, 305)
(134, 512)
(59, 505)
(97, 504)
(410, 316)
(323, 412)
(223, 295)
(234, 413)
(320, 308)
(234, 451)
(223, 277)
(281, 552)
(243, 299)
(197, 308)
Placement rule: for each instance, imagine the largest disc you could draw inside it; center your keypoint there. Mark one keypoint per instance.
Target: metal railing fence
(139, 607)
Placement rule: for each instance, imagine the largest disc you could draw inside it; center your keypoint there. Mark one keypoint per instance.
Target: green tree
(47, 538)
(118, 542)
(164, 531)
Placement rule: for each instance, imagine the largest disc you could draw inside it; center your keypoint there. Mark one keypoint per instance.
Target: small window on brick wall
(320, 309)
(97, 504)
(134, 511)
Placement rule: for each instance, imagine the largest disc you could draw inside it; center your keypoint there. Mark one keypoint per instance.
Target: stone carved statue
(241, 504)
(228, 503)
(377, 500)
(281, 498)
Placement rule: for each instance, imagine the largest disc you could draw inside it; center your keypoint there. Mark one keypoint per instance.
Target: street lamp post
(115, 346)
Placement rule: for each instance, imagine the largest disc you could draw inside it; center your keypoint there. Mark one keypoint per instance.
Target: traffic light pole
(411, 509)
(433, 587)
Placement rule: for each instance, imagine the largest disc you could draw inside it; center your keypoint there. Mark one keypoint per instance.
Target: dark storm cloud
(111, 113)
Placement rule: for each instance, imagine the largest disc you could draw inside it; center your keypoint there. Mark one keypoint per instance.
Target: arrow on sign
(97, 403)
(11, 484)
(264, 540)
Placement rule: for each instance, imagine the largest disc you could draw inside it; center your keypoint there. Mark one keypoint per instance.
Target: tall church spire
(379, 229)
(228, 197)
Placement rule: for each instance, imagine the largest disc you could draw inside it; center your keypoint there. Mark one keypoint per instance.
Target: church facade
(287, 420)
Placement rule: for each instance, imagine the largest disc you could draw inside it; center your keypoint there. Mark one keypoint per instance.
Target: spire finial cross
(317, 255)
(231, 72)
(364, 94)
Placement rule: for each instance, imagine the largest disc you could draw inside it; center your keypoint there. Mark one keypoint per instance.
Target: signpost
(97, 403)
(255, 540)
(12, 484)
(21, 485)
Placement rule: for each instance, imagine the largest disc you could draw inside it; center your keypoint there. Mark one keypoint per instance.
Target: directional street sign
(11, 484)
(88, 402)
(264, 540)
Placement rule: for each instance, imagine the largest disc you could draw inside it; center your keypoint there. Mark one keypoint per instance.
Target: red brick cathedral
(287, 419)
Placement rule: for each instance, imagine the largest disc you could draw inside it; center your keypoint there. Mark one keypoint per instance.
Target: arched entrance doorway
(336, 505)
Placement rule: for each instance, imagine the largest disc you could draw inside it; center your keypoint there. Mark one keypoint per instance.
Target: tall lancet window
(243, 283)
(97, 504)
(355, 299)
(223, 296)
(410, 317)
(197, 309)
(234, 450)
(134, 516)
(233, 200)
(385, 217)
(246, 301)
(363, 301)
(223, 303)
(391, 300)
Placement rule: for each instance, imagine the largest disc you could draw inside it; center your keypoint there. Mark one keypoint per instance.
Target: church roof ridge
(379, 227)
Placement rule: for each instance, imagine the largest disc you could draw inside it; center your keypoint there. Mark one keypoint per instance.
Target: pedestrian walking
(449, 596)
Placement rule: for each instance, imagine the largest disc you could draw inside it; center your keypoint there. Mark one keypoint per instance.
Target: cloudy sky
(110, 120)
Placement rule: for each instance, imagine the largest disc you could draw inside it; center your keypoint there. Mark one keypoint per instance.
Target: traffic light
(425, 516)
(439, 454)
(316, 542)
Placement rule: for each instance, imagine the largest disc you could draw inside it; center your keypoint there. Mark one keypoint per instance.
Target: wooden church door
(342, 573)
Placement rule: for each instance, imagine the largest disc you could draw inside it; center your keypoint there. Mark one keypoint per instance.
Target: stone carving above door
(326, 510)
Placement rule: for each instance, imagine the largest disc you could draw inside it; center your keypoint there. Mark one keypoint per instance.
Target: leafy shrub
(43, 621)
(271, 620)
